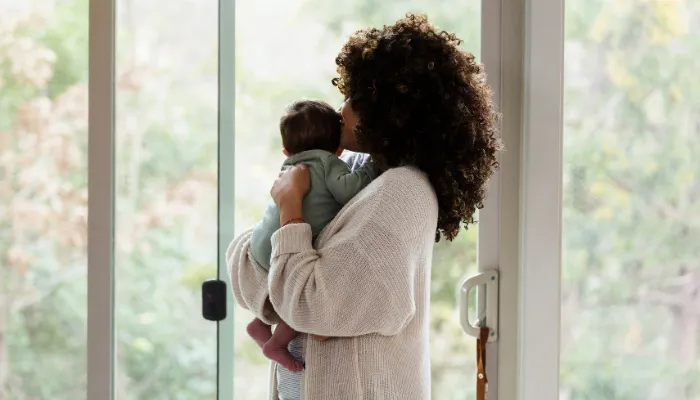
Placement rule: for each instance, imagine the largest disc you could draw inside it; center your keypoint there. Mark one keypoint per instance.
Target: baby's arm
(260, 246)
(345, 184)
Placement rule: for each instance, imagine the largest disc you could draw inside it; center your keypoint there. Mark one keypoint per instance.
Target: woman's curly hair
(423, 101)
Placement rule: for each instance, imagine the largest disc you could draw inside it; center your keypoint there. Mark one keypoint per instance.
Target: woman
(421, 108)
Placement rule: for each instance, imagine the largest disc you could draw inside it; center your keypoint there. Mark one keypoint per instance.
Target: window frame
(502, 45)
(101, 141)
(489, 245)
(520, 225)
(522, 50)
(225, 189)
(541, 200)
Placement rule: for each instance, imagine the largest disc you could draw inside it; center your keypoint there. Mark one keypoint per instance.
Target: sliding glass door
(153, 138)
(136, 139)
(165, 188)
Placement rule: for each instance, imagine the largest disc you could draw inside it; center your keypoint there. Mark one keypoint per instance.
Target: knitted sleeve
(360, 282)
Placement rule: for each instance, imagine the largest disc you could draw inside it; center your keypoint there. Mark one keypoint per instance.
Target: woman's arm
(248, 280)
(360, 282)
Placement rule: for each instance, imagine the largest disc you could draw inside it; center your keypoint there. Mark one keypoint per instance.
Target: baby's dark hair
(310, 125)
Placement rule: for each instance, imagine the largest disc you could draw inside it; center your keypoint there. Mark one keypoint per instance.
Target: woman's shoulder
(407, 180)
(404, 190)
(401, 208)
(399, 202)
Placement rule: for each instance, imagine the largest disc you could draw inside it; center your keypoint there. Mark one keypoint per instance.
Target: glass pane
(286, 51)
(631, 279)
(166, 223)
(43, 199)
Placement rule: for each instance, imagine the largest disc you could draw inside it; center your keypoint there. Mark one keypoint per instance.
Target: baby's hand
(320, 338)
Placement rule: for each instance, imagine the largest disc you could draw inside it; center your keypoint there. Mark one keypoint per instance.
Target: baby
(311, 135)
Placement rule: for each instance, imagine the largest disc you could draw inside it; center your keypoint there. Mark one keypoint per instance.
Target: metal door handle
(487, 280)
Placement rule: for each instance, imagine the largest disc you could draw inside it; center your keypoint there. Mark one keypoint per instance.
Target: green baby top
(332, 185)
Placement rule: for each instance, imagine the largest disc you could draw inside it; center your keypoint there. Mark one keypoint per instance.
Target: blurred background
(631, 271)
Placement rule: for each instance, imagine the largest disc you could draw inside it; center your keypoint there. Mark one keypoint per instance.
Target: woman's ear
(286, 153)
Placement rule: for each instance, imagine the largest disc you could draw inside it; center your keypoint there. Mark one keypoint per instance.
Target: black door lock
(214, 300)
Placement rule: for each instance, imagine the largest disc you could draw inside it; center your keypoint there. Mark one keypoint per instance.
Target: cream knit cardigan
(367, 286)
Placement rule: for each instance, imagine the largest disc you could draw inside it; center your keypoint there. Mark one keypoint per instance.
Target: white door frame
(541, 207)
(520, 225)
(502, 46)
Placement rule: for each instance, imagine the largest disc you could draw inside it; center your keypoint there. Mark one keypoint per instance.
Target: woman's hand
(289, 190)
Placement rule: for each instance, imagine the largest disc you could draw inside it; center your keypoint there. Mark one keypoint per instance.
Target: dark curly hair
(423, 101)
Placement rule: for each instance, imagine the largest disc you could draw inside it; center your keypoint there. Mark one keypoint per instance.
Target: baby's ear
(286, 153)
(339, 151)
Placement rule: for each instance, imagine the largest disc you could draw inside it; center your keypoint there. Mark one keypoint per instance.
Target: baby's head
(310, 125)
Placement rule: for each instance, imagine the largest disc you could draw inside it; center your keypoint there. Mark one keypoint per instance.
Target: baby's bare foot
(282, 356)
(259, 331)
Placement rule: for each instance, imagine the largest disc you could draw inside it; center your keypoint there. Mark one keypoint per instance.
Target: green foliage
(67, 37)
(630, 195)
(630, 239)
